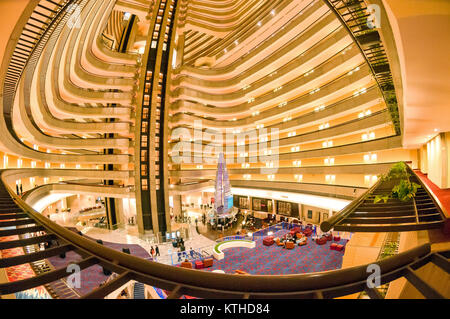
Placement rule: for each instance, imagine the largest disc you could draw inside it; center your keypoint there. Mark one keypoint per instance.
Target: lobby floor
(275, 260)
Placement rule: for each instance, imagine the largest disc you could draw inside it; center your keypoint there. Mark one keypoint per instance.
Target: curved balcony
(385, 143)
(339, 108)
(201, 284)
(221, 28)
(34, 195)
(11, 175)
(317, 54)
(284, 44)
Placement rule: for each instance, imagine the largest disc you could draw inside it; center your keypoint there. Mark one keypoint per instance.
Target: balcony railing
(422, 212)
(17, 218)
(355, 17)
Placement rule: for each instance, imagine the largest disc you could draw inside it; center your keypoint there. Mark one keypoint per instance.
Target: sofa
(208, 262)
(321, 241)
(336, 247)
(290, 245)
(186, 264)
(268, 241)
(307, 232)
(294, 231)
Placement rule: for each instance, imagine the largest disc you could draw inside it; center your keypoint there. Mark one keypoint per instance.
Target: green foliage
(405, 190)
(380, 198)
(392, 105)
(388, 250)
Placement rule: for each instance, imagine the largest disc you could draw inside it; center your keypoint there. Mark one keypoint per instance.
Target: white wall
(437, 159)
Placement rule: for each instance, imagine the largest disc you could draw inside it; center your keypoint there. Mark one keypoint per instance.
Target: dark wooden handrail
(396, 215)
(328, 224)
(209, 285)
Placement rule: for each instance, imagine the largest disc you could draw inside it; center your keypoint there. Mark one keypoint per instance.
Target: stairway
(57, 289)
(138, 291)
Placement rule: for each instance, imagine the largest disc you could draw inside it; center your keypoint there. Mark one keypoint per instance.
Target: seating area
(284, 250)
(337, 247)
(299, 236)
(198, 264)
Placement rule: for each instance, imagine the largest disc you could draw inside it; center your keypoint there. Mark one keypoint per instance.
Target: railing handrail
(204, 283)
(348, 210)
(388, 79)
(433, 197)
(328, 224)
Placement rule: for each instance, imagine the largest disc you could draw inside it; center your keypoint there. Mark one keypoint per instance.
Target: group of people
(131, 220)
(154, 251)
(181, 220)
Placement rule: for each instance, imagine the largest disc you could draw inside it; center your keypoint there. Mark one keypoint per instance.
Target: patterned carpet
(93, 276)
(21, 272)
(275, 260)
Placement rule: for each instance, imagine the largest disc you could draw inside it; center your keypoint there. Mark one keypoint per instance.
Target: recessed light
(436, 130)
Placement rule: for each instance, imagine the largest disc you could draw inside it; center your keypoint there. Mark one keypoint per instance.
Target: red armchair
(268, 241)
(337, 238)
(307, 232)
(290, 245)
(339, 247)
(208, 262)
(329, 237)
(199, 264)
(186, 264)
(321, 241)
(333, 246)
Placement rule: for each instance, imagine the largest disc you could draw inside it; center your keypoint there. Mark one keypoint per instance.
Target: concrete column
(176, 205)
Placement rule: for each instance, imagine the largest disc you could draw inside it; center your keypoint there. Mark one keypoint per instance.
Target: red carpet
(443, 196)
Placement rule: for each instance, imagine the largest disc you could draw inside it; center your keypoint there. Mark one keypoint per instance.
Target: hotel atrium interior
(231, 149)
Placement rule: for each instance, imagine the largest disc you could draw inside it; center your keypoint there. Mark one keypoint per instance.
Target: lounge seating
(307, 232)
(303, 242)
(186, 264)
(268, 241)
(337, 238)
(329, 237)
(199, 264)
(337, 247)
(209, 262)
(321, 241)
(290, 245)
(279, 242)
(294, 231)
(299, 235)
